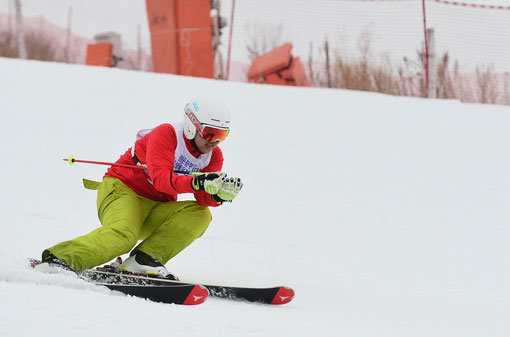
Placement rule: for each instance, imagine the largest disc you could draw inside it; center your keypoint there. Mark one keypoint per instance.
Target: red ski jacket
(158, 182)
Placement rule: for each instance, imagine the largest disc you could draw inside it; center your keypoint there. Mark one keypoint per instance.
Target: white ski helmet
(207, 115)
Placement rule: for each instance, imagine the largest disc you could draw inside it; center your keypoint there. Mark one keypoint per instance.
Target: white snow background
(389, 216)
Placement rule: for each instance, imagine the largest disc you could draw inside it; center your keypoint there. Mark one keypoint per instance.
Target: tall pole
(326, 50)
(40, 36)
(230, 38)
(217, 42)
(139, 47)
(9, 24)
(20, 35)
(68, 35)
(310, 64)
(432, 63)
(426, 61)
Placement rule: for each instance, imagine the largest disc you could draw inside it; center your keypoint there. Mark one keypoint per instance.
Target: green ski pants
(166, 228)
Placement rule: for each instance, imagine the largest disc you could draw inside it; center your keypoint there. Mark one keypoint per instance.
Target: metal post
(68, 35)
(230, 38)
(328, 73)
(310, 64)
(139, 47)
(40, 37)
(426, 60)
(20, 36)
(9, 25)
(216, 18)
(432, 92)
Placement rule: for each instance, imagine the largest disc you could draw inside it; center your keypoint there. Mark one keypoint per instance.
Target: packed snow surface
(389, 216)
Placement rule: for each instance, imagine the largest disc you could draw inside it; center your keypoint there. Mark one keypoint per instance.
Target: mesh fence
(378, 45)
(373, 45)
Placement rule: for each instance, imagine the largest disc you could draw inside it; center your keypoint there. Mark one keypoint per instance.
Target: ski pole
(72, 160)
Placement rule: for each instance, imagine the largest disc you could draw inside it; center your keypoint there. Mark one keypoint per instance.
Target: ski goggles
(213, 134)
(209, 133)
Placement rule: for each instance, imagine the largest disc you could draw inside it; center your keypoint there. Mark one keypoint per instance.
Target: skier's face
(203, 145)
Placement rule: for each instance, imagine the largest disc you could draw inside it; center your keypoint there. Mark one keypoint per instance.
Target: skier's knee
(125, 238)
(202, 213)
(203, 222)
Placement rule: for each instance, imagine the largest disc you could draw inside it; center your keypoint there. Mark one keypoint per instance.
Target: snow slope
(389, 216)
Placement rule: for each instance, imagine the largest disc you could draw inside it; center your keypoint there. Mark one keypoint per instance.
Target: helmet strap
(194, 144)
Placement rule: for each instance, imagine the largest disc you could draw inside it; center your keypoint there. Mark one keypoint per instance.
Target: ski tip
(197, 295)
(283, 296)
(33, 262)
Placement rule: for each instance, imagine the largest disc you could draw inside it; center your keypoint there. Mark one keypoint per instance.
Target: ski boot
(52, 265)
(144, 264)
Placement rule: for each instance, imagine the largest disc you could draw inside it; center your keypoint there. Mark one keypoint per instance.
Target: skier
(135, 205)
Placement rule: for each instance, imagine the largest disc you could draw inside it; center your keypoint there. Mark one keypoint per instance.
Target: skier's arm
(160, 156)
(215, 165)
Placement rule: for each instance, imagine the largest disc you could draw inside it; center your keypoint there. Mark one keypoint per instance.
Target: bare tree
(382, 79)
(364, 47)
(7, 49)
(444, 83)
(41, 47)
(486, 84)
(262, 38)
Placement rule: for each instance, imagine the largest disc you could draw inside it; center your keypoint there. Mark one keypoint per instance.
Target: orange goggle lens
(214, 135)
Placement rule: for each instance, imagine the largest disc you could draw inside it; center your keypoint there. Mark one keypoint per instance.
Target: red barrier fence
(463, 4)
